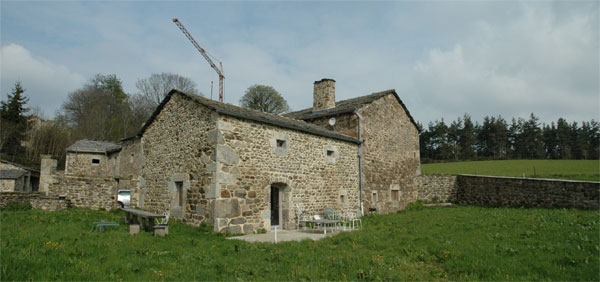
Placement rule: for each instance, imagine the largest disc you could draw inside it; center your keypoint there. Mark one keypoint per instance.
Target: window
(374, 197)
(95, 161)
(179, 186)
(342, 200)
(280, 143)
(394, 195)
(330, 153)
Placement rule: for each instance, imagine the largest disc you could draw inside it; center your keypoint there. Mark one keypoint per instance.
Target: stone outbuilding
(18, 178)
(87, 157)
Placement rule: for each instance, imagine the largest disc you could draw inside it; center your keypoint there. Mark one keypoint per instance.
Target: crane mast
(205, 55)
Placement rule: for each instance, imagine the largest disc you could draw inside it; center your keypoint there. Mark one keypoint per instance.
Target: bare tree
(157, 86)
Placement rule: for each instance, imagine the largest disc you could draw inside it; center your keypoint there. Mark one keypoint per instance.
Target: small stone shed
(87, 157)
(18, 178)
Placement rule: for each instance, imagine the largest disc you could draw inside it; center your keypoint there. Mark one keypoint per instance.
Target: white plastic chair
(354, 218)
(164, 220)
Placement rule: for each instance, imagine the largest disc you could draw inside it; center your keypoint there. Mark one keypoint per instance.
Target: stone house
(243, 170)
(18, 178)
(390, 161)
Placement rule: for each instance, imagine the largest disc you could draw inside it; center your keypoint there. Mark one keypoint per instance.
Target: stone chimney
(324, 94)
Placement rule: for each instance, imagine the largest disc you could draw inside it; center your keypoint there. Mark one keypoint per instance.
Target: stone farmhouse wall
(437, 188)
(249, 161)
(527, 192)
(391, 155)
(129, 160)
(390, 152)
(177, 149)
(207, 167)
(495, 191)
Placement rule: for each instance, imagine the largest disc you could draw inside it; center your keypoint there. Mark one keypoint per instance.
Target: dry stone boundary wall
(85, 191)
(496, 191)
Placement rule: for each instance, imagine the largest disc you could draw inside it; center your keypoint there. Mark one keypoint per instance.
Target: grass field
(458, 243)
(586, 170)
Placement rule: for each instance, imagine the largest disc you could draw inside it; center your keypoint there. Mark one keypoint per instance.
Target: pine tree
(14, 121)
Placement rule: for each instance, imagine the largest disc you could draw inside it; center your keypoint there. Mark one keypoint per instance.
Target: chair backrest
(166, 219)
(317, 217)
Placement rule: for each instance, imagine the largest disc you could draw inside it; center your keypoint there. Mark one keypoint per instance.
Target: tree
(157, 86)
(98, 111)
(467, 139)
(14, 121)
(265, 99)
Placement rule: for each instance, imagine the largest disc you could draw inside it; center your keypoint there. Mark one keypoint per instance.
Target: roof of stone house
(89, 146)
(11, 173)
(244, 113)
(348, 106)
(19, 166)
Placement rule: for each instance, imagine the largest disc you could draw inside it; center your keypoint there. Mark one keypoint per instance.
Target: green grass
(458, 243)
(586, 170)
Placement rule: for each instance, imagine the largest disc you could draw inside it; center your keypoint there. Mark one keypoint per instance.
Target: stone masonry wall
(9, 198)
(49, 204)
(7, 185)
(177, 151)
(344, 123)
(390, 155)
(130, 160)
(248, 161)
(437, 188)
(390, 152)
(81, 164)
(527, 192)
(85, 191)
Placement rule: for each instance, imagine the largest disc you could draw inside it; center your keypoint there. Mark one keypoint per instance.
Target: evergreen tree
(550, 140)
(563, 132)
(14, 121)
(467, 139)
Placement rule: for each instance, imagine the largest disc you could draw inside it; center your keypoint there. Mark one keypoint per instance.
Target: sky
(444, 59)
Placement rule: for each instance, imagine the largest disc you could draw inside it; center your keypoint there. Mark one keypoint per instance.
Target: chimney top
(324, 79)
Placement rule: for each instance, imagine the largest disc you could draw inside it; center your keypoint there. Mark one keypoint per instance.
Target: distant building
(18, 178)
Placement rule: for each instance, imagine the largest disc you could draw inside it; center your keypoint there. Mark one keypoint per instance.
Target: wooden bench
(146, 219)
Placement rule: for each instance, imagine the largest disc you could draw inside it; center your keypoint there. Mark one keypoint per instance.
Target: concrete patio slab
(284, 235)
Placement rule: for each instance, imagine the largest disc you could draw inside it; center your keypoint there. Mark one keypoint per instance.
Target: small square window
(330, 153)
(280, 143)
(95, 161)
(394, 195)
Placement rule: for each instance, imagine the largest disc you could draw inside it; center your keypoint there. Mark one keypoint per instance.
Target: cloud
(46, 84)
(538, 62)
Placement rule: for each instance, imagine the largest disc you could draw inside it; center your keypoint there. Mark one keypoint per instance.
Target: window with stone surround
(394, 195)
(331, 153)
(179, 186)
(95, 161)
(374, 198)
(342, 199)
(280, 143)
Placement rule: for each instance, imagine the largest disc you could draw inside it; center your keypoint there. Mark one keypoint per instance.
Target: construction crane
(205, 55)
